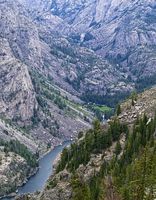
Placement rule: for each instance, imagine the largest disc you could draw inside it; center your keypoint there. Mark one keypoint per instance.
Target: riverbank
(14, 193)
(32, 173)
(38, 181)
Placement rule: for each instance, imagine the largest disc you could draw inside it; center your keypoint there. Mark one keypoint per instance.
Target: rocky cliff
(34, 43)
(17, 99)
(47, 35)
(121, 31)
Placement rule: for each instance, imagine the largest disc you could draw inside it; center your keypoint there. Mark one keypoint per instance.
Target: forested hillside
(114, 161)
(130, 174)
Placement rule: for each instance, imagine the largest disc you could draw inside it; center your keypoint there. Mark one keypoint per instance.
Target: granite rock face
(47, 45)
(104, 47)
(17, 97)
(21, 33)
(116, 29)
(120, 31)
(143, 104)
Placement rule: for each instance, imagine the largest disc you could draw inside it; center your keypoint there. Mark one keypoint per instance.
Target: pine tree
(118, 148)
(97, 131)
(118, 110)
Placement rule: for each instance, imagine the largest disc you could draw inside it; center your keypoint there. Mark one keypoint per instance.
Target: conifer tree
(118, 148)
(118, 110)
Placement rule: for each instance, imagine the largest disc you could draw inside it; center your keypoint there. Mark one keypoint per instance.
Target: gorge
(64, 64)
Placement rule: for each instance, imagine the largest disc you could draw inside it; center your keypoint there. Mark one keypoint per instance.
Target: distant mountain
(118, 38)
(120, 31)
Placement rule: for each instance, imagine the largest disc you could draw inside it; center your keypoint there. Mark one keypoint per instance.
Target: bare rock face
(21, 33)
(17, 97)
(122, 31)
(45, 48)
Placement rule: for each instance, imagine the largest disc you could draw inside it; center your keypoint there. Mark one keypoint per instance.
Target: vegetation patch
(20, 149)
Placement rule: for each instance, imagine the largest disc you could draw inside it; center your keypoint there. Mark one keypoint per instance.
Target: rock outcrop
(54, 52)
(144, 103)
(42, 40)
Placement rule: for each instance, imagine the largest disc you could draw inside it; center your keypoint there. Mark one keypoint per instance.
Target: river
(38, 181)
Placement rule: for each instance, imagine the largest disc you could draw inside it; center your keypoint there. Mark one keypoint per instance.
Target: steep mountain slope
(24, 55)
(138, 105)
(20, 32)
(118, 160)
(17, 93)
(35, 114)
(30, 33)
(120, 31)
(74, 68)
(19, 170)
